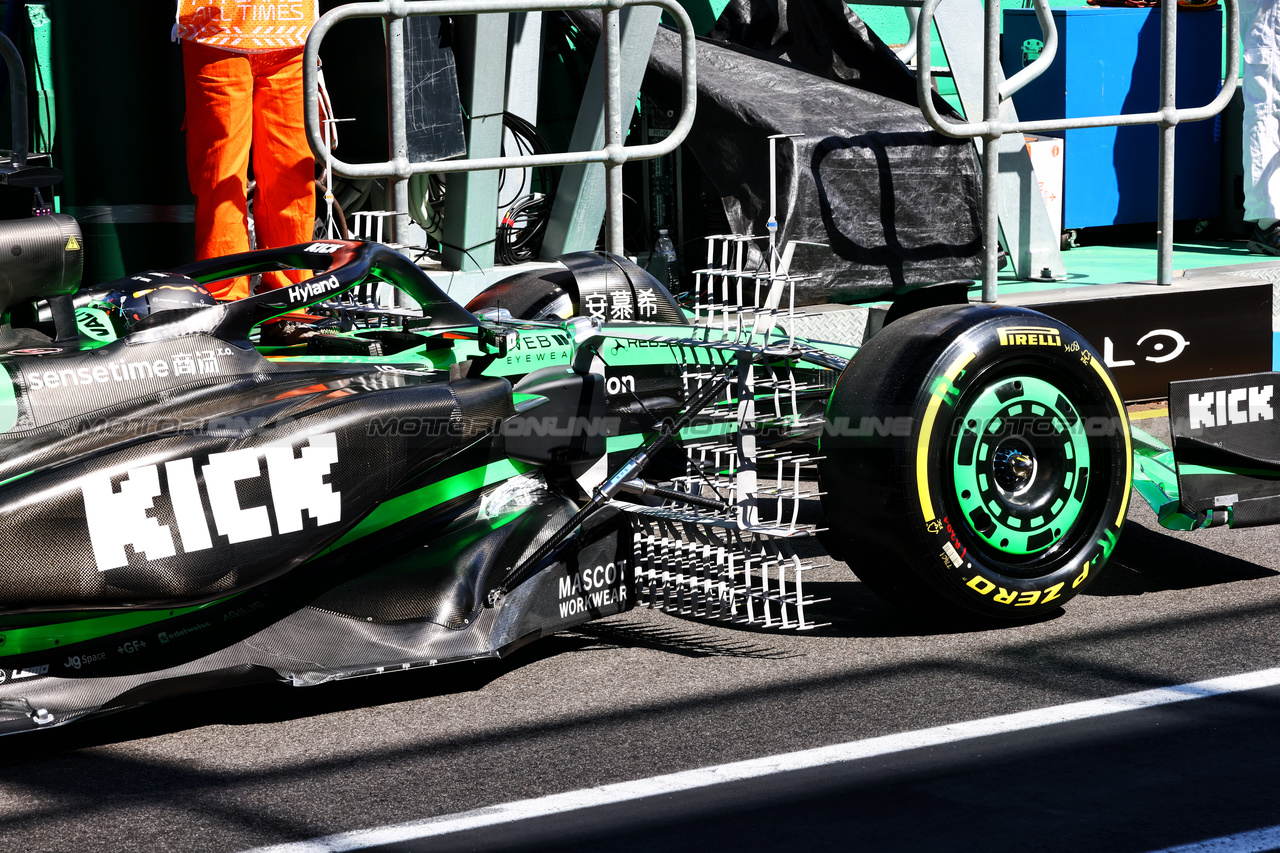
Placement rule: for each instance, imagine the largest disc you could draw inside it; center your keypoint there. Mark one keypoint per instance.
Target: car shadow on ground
(276, 701)
(1147, 560)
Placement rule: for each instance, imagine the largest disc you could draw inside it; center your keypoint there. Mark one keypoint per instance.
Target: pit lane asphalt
(645, 694)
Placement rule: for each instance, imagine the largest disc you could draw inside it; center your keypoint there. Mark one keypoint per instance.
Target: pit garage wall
(1213, 322)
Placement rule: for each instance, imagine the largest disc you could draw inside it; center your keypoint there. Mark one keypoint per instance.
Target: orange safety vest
(246, 26)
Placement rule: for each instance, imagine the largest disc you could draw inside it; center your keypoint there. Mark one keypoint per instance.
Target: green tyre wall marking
(1021, 465)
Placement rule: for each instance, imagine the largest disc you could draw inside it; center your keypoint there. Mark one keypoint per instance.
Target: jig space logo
(117, 515)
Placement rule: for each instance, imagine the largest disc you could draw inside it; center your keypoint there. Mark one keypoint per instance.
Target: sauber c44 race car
(184, 507)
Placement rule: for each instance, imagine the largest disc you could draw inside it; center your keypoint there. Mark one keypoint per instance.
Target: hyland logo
(117, 514)
(1234, 406)
(1030, 336)
(200, 362)
(314, 287)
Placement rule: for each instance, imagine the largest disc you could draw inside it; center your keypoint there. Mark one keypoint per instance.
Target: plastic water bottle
(664, 252)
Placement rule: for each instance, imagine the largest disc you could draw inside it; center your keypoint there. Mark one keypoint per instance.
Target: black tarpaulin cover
(896, 202)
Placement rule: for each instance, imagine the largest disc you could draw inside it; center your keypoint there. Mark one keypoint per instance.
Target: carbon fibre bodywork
(183, 509)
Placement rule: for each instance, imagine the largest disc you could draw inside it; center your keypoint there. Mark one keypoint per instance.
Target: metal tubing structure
(1168, 130)
(397, 101)
(613, 155)
(611, 33)
(17, 100)
(991, 128)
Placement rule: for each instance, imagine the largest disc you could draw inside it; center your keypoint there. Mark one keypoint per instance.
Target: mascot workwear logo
(313, 288)
(118, 516)
(1234, 406)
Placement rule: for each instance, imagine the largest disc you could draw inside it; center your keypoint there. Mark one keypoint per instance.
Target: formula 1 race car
(398, 487)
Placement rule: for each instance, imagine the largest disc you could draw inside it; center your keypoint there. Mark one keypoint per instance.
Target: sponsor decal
(630, 343)
(35, 351)
(1230, 406)
(1166, 343)
(591, 589)
(532, 349)
(170, 636)
(197, 363)
(81, 661)
(150, 277)
(117, 513)
(31, 672)
(619, 305)
(323, 248)
(313, 288)
(618, 384)
(91, 322)
(131, 647)
(547, 341)
(242, 610)
(1030, 336)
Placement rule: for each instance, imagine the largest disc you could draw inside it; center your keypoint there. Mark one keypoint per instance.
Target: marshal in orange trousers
(237, 103)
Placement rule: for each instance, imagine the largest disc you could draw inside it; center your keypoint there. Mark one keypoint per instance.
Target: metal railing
(991, 128)
(613, 155)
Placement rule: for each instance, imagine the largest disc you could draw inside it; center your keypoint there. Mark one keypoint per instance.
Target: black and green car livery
(183, 508)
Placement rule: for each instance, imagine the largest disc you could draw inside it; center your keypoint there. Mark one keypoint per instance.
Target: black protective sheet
(896, 202)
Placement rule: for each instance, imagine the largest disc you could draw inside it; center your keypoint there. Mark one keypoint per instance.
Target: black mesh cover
(893, 202)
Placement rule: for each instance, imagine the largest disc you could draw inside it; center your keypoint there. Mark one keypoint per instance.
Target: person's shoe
(1265, 242)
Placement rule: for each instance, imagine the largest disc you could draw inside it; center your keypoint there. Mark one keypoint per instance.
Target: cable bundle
(525, 222)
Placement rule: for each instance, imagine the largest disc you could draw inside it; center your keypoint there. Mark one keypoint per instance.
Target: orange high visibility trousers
(238, 103)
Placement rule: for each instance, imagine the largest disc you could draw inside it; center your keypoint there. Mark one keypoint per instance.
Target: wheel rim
(1021, 465)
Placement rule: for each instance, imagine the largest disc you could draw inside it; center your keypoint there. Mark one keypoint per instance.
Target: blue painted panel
(1108, 63)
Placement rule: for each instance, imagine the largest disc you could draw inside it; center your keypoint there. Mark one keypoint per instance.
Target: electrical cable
(525, 217)
(524, 223)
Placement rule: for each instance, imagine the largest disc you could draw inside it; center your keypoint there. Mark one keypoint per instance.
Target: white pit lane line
(621, 792)
(1258, 841)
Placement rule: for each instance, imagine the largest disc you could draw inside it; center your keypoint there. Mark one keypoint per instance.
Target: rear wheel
(979, 456)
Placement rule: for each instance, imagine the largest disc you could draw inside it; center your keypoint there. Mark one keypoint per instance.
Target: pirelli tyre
(976, 459)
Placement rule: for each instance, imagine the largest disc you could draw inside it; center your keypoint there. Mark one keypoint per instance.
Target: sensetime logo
(200, 362)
